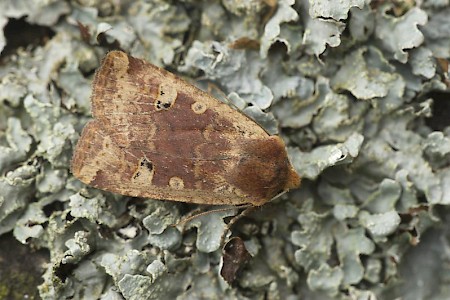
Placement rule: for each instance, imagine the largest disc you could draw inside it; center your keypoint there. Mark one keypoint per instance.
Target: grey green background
(358, 90)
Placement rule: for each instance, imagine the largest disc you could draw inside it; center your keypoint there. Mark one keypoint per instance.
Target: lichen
(358, 90)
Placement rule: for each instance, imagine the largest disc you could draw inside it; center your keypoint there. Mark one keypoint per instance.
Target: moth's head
(264, 170)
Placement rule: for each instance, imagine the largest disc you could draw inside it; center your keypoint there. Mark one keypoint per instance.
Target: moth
(154, 135)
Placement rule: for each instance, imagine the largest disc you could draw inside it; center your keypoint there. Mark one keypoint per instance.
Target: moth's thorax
(263, 170)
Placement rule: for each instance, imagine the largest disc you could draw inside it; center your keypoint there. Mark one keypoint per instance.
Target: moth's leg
(248, 209)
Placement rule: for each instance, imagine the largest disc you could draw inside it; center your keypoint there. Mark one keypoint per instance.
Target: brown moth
(155, 135)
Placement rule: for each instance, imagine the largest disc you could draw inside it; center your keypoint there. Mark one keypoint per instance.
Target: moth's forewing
(155, 135)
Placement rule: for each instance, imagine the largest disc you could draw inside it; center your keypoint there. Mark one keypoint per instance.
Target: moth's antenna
(236, 218)
(190, 218)
(250, 208)
(278, 195)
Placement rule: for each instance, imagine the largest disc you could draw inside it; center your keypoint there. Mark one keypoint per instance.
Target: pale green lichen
(284, 14)
(381, 224)
(337, 10)
(398, 34)
(363, 80)
(350, 86)
(210, 229)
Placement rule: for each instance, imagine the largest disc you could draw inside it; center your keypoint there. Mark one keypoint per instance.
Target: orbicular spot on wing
(198, 108)
(176, 183)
